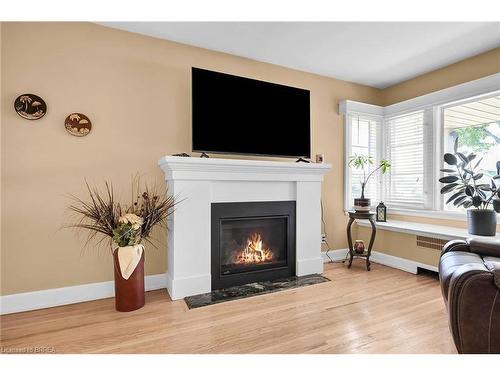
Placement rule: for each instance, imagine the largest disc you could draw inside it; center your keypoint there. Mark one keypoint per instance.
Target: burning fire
(253, 251)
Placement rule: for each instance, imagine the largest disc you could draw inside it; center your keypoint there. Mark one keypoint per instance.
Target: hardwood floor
(381, 311)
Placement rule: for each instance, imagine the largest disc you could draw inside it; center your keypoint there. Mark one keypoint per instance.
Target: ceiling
(377, 54)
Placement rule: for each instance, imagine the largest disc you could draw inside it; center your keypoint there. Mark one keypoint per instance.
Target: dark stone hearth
(253, 289)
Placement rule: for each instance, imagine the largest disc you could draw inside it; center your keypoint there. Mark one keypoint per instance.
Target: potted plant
(362, 162)
(463, 183)
(125, 227)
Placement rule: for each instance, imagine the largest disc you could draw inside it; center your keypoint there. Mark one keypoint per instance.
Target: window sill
(443, 215)
(420, 229)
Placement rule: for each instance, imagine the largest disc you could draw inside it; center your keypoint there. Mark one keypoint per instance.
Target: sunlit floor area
(381, 311)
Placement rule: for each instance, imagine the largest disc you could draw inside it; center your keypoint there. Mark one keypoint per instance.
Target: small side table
(353, 215)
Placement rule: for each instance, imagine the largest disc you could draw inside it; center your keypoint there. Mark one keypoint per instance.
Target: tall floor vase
(129, 294)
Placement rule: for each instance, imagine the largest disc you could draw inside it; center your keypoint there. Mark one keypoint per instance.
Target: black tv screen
(236, 115)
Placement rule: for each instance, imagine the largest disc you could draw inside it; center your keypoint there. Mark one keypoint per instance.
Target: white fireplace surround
(198, 182)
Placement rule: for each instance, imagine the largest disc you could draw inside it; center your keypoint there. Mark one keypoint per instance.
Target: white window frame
(440, 141)
(368, 111)
(433, 105)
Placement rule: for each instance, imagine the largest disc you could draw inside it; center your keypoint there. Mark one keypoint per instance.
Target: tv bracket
(299, 160)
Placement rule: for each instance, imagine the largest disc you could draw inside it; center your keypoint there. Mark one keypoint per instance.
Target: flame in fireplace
(253, 251)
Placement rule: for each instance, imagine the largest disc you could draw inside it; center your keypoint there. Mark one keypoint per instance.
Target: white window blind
(364, 131)
(413, 136)
(408, 149)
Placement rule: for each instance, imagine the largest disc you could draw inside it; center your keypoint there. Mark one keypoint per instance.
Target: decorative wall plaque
(30, 107)
(78, 124)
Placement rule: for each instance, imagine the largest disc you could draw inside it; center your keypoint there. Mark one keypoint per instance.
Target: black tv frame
(205, 152)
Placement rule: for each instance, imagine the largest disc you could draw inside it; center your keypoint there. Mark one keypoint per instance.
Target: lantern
(381, 212)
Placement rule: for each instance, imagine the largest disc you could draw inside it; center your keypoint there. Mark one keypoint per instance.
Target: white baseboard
(42, 299)
(385, 259)
(309, 266)
(88, 292)
(334, 255)
(188, 286)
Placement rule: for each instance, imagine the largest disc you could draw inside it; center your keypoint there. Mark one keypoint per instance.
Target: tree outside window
(477, 126)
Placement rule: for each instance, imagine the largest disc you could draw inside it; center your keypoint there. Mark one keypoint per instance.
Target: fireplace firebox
(252, 241)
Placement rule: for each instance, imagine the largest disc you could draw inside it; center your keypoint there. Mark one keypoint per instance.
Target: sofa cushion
(450, 262)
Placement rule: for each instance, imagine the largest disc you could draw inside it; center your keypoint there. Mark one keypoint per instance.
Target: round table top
(361, 215)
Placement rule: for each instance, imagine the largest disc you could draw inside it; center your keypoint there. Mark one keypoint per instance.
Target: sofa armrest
(455, 245)
(485, 246)
(473, 311)
(493, 265)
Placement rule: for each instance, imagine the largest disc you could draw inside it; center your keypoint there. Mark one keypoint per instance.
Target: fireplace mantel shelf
(192, 168)
(199, 183)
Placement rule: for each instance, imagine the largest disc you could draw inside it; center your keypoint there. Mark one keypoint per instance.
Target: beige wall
(400, 245)
(1, 160)
(136, 91)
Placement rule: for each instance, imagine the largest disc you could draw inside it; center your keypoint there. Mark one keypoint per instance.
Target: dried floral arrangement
(125, 225)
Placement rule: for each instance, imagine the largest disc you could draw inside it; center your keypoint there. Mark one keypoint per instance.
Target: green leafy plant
(362, 162)
(462, 182)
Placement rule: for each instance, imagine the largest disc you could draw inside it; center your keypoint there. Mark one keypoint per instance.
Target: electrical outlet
(323, 238)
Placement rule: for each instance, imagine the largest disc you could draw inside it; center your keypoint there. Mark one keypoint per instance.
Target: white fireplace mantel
(199, 182)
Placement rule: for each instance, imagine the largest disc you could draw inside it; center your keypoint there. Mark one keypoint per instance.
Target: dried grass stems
(100, 214)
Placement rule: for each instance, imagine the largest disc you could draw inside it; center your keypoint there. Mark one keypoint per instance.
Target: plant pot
(129, 294)
(482, 222)
(362, 204)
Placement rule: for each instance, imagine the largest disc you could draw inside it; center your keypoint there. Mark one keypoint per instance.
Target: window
(363, 132)
(404, 141)
(477, 125)
(413, 136)
(408, 149)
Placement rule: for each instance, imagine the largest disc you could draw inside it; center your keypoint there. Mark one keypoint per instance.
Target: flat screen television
(236, 115)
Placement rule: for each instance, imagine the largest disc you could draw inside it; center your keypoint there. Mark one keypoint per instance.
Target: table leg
(349, 240)
(372, 239)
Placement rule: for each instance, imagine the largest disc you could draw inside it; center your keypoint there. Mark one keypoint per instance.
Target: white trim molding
(335, 255)
(351, 106)
(407, 265)
(454, 93)
(218, 169)
(459, 92)
(421, 229)
(188, 286)
(433, 214)
(42, 299)
(403, 264)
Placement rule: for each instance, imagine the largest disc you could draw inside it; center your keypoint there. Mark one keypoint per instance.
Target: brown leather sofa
(469, 273)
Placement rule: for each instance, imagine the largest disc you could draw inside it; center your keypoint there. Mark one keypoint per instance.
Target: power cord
(325, 239)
